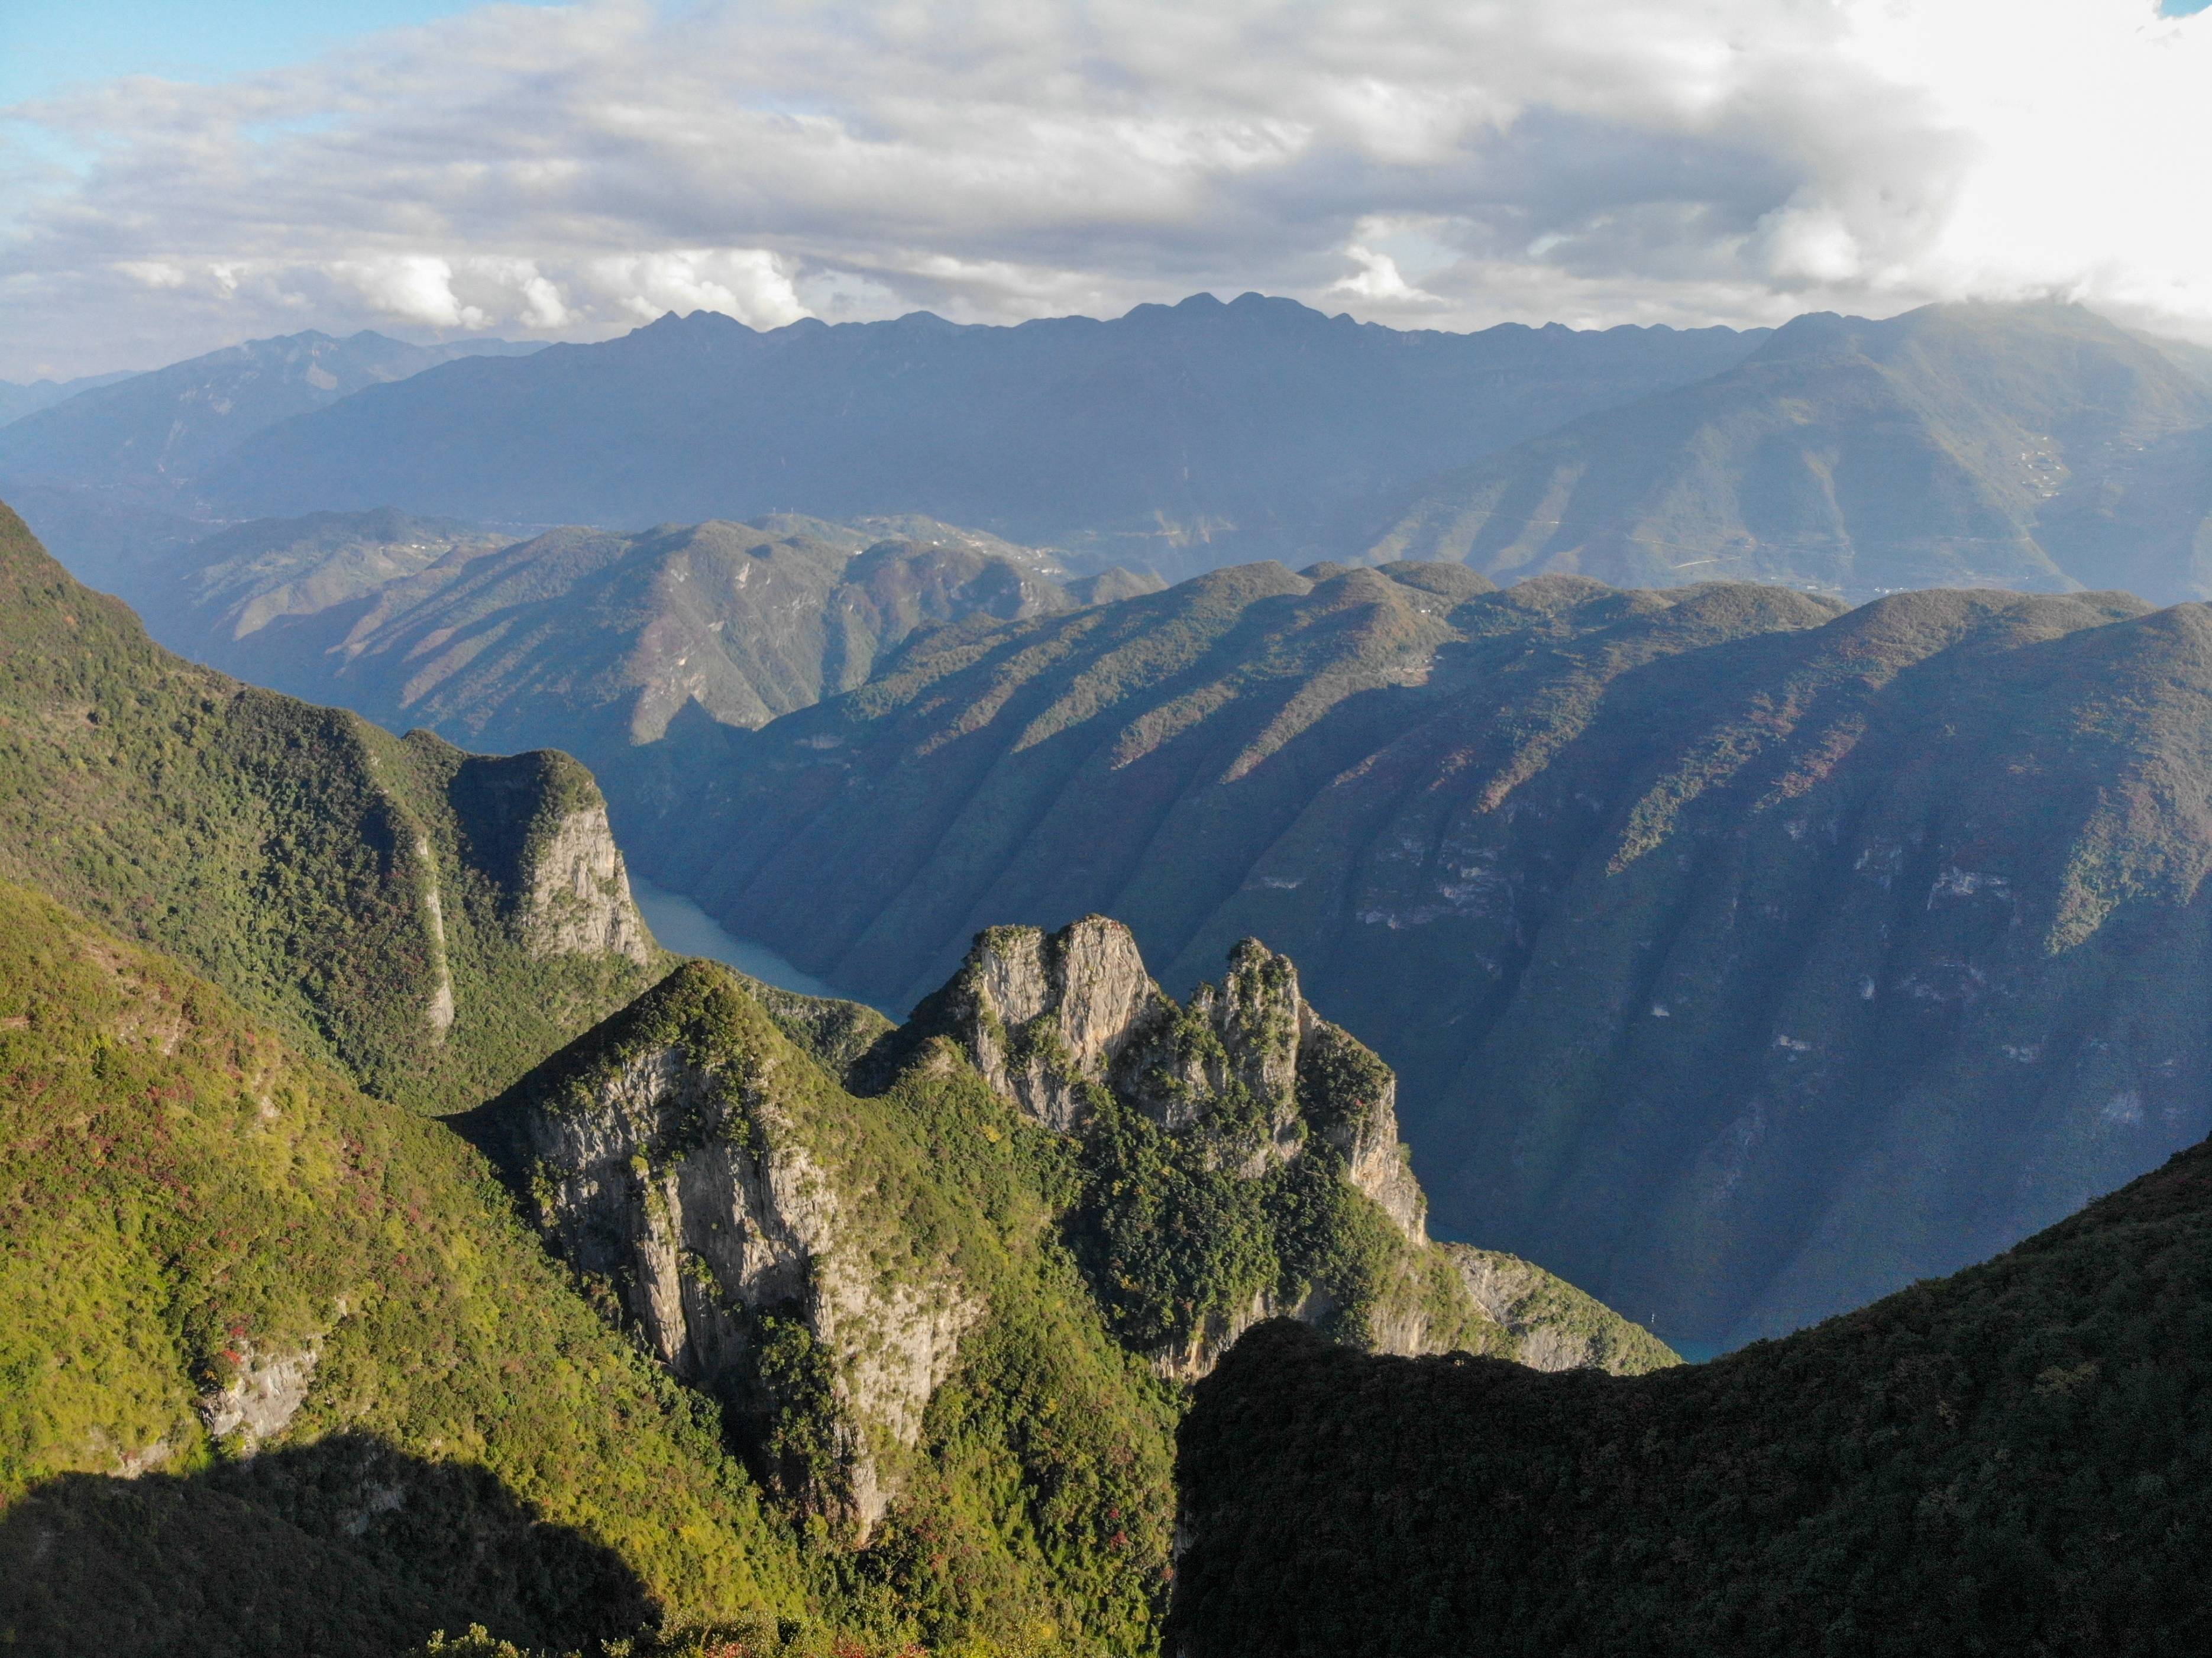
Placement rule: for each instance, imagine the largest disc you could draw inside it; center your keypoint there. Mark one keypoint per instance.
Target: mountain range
(158, 432)
(1167, 439)
(17, 401)
(790, 1331)
(2029, 446)
(586, 641)
(1745, 957)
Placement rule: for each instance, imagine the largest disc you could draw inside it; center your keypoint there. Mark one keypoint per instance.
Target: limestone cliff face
(576, 899)
(675, 1173)
(1246, 1069)
(1047, 1017)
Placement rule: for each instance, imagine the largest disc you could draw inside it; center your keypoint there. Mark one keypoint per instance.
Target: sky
(176, 177)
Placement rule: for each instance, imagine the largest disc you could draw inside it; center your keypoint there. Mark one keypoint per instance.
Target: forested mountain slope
(583, 640)
(1744, 960)
(2032, 446)
(1169, 439)
(433, 921)
(2013, 1460)
(942, 1303)
(284, 1374)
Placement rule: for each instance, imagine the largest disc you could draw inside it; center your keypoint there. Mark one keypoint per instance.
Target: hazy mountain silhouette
(1174, 437)
(153, 432)
(2030, 447)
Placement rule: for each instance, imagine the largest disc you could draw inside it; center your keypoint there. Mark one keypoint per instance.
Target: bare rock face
(577, 900)
(262, 1399)
(1246, 1071)
(1047, 1017)
(686, 1186)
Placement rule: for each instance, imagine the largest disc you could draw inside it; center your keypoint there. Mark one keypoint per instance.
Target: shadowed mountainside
(2034, 447)
(1743, 960)
(2013, 1460)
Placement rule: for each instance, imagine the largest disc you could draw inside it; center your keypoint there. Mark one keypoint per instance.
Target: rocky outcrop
(1245, 1078)
(674, 1170)
(535, 825)
(1048, 1017)
(260, 1401)
(577, 900)
(1554, 1326)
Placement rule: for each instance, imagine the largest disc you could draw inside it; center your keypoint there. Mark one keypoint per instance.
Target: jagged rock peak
(1045, 1015)
(1050, 1019)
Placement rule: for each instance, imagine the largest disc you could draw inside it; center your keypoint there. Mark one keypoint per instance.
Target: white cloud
(749, 283)
(579, 168)
(413, 287)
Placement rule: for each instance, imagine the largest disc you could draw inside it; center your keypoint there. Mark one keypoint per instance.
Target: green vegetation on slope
(938, 1328)
(1033, 1503)
(1742, 959)
(359, 891)
(582, 640)
(2015, 1460)
(197, 1226)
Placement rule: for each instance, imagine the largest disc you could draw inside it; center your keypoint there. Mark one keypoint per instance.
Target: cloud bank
(1451, 163)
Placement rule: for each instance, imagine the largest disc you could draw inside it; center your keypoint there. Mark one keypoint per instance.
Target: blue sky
(49, 46)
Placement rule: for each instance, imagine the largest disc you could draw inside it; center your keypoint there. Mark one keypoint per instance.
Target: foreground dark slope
(2015, 1460)
(1744, 961)
(2032, 446)
(433, 921)
(1167, 438)
(284, 1374)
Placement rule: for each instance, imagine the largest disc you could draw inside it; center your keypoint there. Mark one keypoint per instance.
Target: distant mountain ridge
(155, 433)
(583, 640)
(1165, 438)
(17, 401)
(2035, 447)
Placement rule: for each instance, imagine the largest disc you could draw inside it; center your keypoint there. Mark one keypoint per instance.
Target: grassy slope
(284, 850)
(2014, 1460)
(180, 1190)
